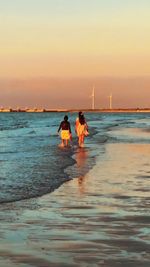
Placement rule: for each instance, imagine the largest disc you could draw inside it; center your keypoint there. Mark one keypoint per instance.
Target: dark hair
(65, 118)
(80, 113)
(81, 119)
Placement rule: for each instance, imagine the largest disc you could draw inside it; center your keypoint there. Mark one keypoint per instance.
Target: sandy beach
(100, 219)
(75, 133)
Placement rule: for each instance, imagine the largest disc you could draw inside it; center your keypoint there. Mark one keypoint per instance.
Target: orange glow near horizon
(72, 66)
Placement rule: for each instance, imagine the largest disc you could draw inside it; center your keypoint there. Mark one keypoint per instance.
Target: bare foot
(81, 145)
(61, 145)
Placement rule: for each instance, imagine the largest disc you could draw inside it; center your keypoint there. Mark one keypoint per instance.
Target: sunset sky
(53, 51)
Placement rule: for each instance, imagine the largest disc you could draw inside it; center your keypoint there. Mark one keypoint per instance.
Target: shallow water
(30, 160)
(101, 217)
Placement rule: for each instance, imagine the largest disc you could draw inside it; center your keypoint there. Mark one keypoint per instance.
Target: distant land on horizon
(75, 110)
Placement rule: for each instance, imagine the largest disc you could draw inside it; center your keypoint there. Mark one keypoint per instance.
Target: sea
(75, 206)
(32, 163)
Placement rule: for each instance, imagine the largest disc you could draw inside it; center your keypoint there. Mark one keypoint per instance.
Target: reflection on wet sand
(81, 157)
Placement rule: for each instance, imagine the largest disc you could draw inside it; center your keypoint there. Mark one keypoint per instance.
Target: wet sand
(100, 219)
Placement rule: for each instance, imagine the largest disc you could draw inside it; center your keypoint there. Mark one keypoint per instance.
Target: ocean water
(100, 217)
(32, 164)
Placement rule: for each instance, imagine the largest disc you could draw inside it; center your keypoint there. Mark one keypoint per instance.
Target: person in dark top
(65, 131)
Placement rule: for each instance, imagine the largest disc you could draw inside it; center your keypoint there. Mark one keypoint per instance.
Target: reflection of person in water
(81, 129)
(81, 159)
(65, 131)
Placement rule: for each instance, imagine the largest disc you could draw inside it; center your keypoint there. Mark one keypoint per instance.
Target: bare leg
(80, 140)
(62, 143)
(66, 142)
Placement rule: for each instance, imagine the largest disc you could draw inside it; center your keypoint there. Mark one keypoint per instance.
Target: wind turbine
(93, 98)
(110, 101)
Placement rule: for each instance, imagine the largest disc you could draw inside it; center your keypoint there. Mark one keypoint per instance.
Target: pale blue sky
(42, 7)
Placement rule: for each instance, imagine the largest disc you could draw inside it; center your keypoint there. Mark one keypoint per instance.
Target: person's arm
(69, 127)
(59, 127)
(70, 131)
(86, 126)
(76, 125)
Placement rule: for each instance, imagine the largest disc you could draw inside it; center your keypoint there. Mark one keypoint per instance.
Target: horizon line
(3, 110)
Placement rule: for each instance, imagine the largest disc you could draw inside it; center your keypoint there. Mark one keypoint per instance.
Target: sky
(53, 51)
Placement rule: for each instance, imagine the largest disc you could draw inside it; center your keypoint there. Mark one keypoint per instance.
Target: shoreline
(68, 154)
(70, 164)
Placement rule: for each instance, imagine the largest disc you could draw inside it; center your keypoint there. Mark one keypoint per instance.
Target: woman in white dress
(81, 129)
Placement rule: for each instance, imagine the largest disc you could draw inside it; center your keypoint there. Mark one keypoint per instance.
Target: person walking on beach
(65, 132)
(77, 120)
(81, 129)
